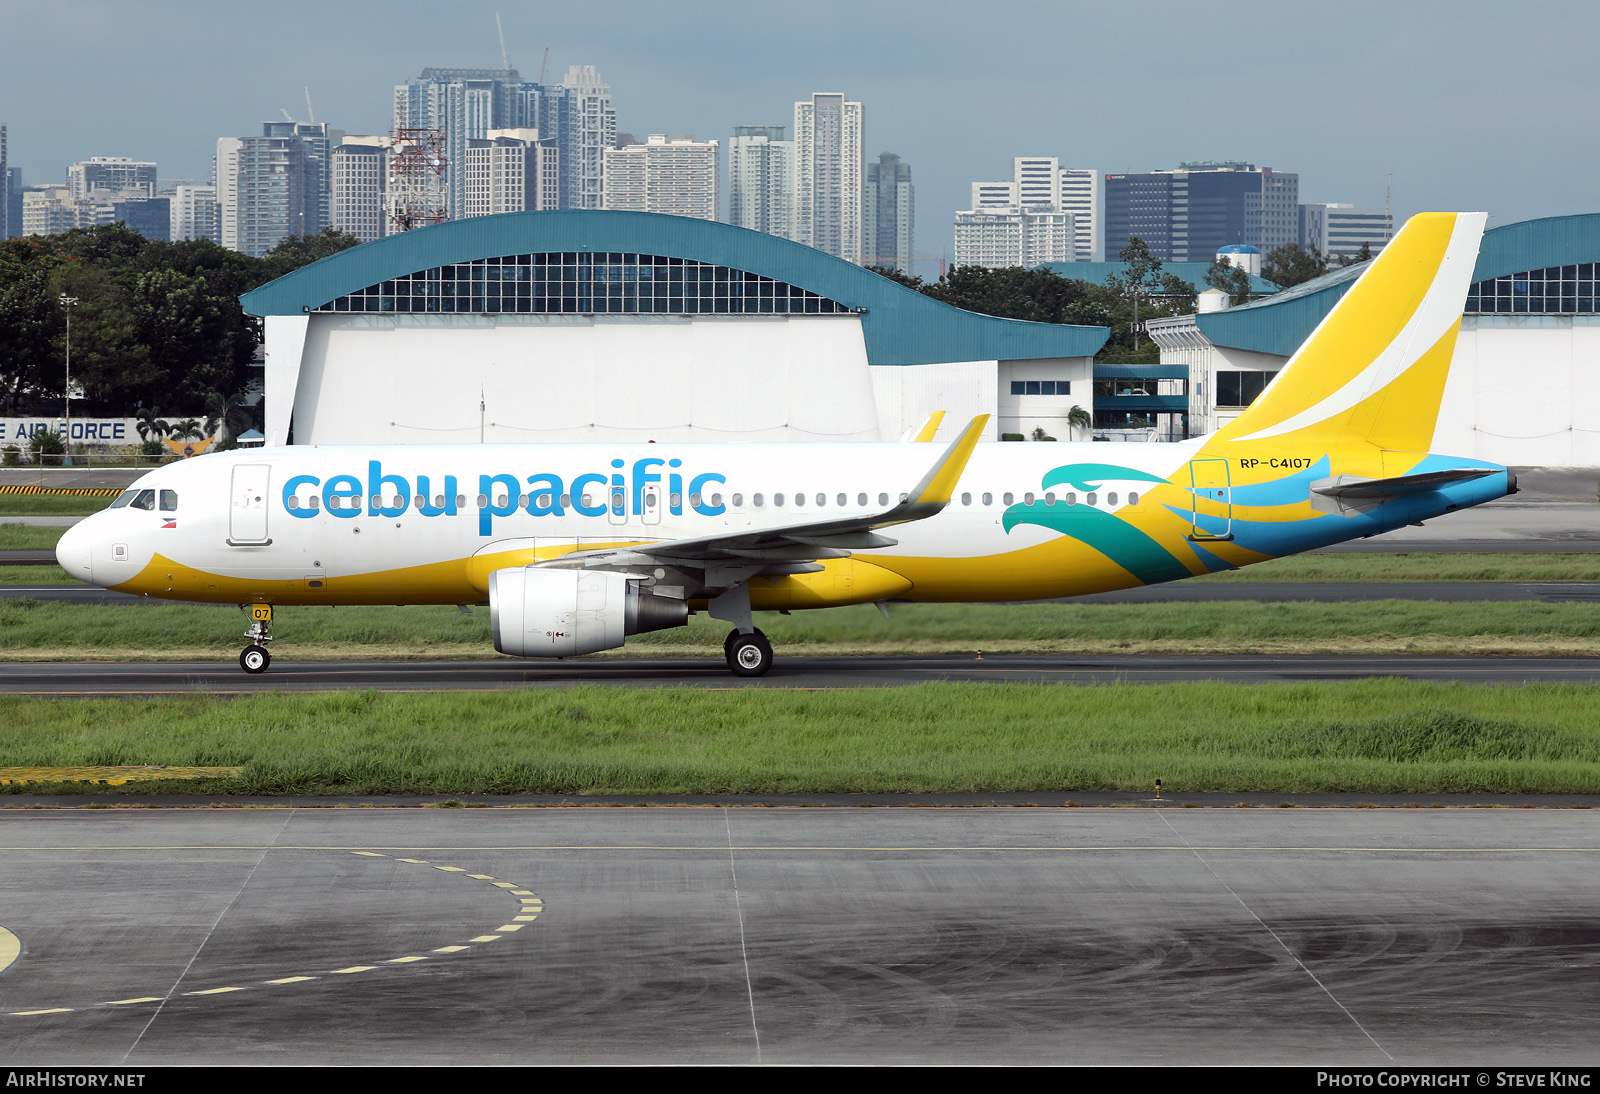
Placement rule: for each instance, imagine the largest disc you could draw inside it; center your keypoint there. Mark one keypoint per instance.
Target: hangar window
(586, 283)
(1571, 290)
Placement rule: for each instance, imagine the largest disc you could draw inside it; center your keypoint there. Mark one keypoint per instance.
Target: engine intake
(535, 612)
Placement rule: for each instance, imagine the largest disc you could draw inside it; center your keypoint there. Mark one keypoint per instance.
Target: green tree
(1141, 274)
(910, 281)
(294, 252)
(1078, 418)
(1291, 264)
(1230, 279)
(30, 320)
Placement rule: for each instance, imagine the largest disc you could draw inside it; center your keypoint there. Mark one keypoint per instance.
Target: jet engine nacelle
(563, 613)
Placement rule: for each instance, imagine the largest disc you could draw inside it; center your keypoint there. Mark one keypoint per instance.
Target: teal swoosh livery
(1119, 541)
(1089, 476)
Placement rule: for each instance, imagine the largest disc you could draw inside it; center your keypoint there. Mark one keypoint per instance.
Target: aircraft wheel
(727, 643)
(255, 660)
(750, 654)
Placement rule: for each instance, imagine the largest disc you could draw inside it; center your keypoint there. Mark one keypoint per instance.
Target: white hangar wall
(1524, 390)
(561, 378)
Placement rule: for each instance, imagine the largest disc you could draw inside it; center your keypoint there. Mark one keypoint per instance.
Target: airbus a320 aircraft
(576, 547)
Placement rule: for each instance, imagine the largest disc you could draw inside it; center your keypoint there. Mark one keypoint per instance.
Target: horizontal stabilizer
(1355, 494)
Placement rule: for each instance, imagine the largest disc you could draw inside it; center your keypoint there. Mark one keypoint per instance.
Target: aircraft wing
(792, 548)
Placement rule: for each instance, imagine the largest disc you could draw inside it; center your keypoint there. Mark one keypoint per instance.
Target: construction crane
(505, 58)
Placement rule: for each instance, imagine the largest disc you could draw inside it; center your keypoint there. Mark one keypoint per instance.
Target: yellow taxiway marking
(10, 948)
(505, 885)
(525, 919)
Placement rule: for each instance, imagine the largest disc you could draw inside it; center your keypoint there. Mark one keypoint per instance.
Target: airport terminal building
(1524, 386)
(588, 325)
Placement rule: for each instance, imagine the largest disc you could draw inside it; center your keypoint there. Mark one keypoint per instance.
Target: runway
(223, 677)
(796, 936)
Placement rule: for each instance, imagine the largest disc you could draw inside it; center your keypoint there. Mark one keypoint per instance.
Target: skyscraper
(1083, 195)
(512, 171)
(761, 179)
(107, 178)
(593, 129)
(1022, 222)
(677, 176)
(195, 214)
(466, 103)
(1188, 214)
(358, 171)
(1335, 229)
(273, 186)
(829, 134)
(889, 213)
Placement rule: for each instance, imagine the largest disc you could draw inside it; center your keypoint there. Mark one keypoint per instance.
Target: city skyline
(1341, 102)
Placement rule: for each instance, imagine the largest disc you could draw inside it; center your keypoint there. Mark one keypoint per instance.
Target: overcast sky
(1471, 105)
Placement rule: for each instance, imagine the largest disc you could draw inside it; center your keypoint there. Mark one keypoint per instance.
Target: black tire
(750, 654)
(255, 660)
(727, 643)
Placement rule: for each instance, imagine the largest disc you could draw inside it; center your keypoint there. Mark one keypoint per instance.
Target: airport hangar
(579, 325)
(1524, 386)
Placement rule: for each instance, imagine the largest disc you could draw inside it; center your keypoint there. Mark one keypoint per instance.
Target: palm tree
(188, 430)
(151, 426)
(1078, 418)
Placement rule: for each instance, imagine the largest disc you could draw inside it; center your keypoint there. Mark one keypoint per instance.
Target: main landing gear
(255, 657)
(748, 654)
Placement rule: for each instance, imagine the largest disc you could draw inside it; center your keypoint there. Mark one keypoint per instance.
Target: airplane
(577, 547)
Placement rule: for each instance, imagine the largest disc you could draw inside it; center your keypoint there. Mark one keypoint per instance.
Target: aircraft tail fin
(1375, 368)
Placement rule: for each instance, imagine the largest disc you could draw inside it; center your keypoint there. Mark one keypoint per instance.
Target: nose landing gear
(255, 657)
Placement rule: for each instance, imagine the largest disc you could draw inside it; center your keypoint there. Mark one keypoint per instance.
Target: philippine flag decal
(169, 522)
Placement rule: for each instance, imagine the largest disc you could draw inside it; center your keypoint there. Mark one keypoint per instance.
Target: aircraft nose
(73, 552)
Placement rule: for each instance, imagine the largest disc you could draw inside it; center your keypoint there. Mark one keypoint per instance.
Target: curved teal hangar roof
(1281, 323)
(901, 326)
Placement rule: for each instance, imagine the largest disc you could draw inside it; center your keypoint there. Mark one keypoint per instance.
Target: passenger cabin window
(883, 499)
(861, 499)
(966, 499)
(1111, 499)
(1133, 498)
(1093, 499)
(1007, 498)
(777, 499)
(988, 499)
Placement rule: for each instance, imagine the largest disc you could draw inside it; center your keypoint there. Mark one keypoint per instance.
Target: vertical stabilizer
(1375, 367)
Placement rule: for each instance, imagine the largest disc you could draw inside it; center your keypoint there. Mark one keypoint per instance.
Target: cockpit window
(124, 498)
(169, 501)
(146, 499)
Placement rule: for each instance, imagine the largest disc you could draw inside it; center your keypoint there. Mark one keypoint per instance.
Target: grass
(36, 575)
(25, 537)
(1420, 567)
(52, 505)
(1368, 736)
(40, 630)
